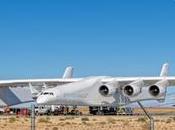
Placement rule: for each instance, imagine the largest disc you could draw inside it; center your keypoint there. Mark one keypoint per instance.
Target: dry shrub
(69, 118)
(145, 126)
(84, 123)
(94, 119)
(141, 119)
(162, 120)
(102, 123)
(62, 124)
(55, 128)
(67, 123)
(173, 118)
(62, 119)
(121, 120)
(168, 120)
(157, 120)
(126, 123)
(85, 119)
(12, 120)
(73, 123)
(48, 118)
(26, 120)
(111, 120)
(44, 120)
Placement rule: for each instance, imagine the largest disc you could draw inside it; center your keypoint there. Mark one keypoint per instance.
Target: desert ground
(163, 122)
(87, 123)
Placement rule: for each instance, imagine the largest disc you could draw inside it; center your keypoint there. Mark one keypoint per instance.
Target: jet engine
(134, 88)
(158, 89)
(108, 89)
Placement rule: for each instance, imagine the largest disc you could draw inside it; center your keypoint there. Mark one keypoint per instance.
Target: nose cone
(41, 100)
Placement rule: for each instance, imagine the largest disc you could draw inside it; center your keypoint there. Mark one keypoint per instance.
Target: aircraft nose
(41, 100)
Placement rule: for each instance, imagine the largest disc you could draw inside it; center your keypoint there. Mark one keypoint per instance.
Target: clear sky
(97, 37)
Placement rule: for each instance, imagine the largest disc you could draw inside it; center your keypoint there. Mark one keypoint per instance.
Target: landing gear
(100, 111)
(75, 111)
(124, 111)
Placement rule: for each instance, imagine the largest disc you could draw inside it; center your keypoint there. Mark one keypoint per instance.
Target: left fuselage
(80, 93)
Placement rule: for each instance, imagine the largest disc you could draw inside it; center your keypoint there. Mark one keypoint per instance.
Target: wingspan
(139, 88)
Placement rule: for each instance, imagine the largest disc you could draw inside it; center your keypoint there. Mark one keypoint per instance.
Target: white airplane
(106, 91)
(99, 90)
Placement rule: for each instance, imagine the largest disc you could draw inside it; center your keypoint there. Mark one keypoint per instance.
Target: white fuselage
(81, 93)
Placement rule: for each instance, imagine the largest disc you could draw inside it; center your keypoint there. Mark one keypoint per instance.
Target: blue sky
(97, 37)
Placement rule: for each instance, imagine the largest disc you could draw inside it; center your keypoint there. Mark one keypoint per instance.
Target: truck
(43, 110)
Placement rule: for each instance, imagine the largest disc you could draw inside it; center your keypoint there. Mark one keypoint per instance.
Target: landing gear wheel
(99, 113)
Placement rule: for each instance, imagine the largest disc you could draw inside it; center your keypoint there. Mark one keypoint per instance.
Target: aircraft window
(48, 93)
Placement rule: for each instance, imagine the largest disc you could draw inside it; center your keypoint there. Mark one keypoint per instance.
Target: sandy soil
(166, 122)
(156, 110)
(87, 123)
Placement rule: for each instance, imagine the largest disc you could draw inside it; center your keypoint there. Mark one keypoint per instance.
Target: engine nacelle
(134, 88)
(159, 89)
(108, 89)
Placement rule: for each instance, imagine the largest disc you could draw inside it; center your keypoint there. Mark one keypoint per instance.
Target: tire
(99, 113)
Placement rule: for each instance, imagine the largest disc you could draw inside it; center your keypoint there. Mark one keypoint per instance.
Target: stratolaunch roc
(104, 90)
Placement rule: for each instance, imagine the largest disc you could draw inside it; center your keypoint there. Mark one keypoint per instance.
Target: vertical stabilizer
(165, 69)
(68, 73)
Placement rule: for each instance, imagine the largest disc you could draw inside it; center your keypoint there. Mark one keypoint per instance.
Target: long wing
(147, 80)
(25, 82)
(122, 81)
(69, 70)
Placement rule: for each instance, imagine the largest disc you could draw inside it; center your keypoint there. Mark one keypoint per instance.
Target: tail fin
(165, 69)
(68, 73)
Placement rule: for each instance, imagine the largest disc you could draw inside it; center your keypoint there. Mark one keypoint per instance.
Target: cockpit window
(47, 93)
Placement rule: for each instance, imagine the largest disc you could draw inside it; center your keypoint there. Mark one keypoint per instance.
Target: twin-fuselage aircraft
(97, 90)
(107, 91)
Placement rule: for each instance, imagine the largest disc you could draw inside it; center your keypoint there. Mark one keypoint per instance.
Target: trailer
(106, 110)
